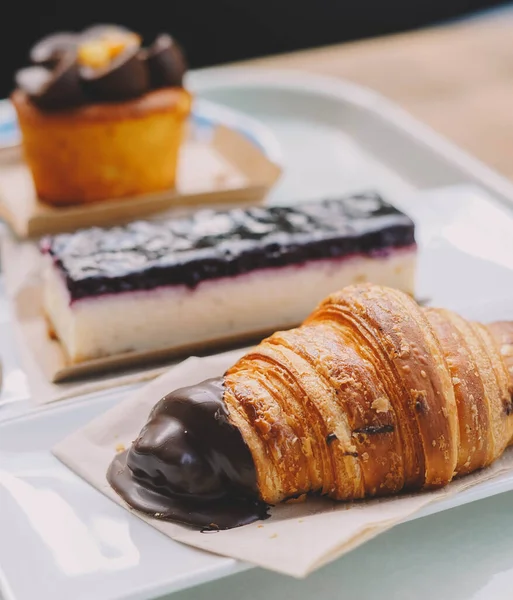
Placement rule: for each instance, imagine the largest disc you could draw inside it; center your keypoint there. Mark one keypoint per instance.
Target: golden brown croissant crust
(373, 395)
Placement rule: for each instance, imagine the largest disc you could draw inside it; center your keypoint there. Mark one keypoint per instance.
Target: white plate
(59, 534)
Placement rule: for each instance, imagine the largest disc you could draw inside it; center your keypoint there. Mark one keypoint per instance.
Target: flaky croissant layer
(373, 395)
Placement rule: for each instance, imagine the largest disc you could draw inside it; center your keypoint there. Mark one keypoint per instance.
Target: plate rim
(303, 81)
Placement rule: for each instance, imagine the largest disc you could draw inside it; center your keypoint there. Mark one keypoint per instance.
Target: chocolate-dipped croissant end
(190, 464)
(371, 396)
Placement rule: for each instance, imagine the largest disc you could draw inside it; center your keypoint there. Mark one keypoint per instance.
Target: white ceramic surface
(329, 129)
(79, 545)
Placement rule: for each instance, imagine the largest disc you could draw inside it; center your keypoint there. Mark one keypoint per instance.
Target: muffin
(101, 117)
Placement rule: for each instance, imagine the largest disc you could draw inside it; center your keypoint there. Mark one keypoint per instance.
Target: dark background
(220, 31)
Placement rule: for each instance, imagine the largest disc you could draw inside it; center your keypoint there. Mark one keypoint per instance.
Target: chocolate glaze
(166, 62)
(98, 31)
(64, 84)
(190, 464)
(212, 245)
(52, 89)
(127, 76)
(50, 49)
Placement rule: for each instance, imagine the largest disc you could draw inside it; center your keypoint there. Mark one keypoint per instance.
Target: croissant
(372, 395)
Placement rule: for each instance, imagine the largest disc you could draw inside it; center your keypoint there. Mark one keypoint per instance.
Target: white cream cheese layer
(178, 317)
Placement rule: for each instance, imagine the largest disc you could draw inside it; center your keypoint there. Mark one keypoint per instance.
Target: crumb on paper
(260, 526)
(120, 447)
(274, 535)
(300, 520)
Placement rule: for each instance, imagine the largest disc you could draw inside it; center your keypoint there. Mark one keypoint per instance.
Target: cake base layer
(178, 317)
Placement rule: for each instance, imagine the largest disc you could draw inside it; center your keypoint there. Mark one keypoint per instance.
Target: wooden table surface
(457, 78)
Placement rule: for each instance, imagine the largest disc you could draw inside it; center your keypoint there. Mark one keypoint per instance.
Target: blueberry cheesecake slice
(217, 276)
